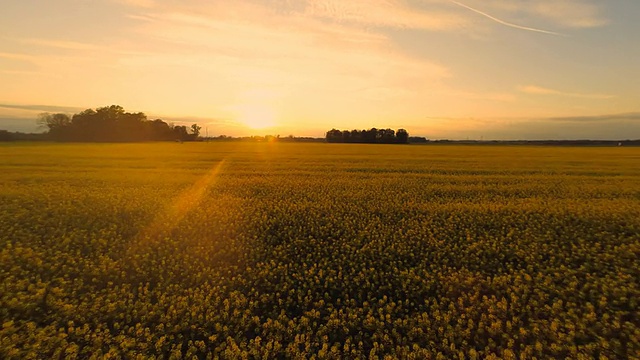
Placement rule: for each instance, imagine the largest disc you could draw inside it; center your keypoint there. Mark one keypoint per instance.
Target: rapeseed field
(328, 251)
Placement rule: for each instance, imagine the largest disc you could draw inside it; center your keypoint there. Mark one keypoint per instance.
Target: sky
(444, 69)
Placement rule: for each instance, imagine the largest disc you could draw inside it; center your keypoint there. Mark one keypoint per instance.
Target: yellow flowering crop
(285, 250)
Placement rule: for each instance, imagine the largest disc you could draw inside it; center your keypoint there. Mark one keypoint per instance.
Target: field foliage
(240, 250)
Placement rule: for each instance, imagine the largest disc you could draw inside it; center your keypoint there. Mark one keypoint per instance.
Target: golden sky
(476, 69)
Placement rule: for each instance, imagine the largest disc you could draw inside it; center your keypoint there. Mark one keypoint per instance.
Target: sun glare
(257, 117)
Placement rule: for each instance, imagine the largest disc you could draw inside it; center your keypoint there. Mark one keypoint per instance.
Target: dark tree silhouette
(160, 130)
(334, 136)
(112, 124)
(402, 136)
(180, 133)
(6, 135)
(195, 130)
(57, 124)
(372, 136)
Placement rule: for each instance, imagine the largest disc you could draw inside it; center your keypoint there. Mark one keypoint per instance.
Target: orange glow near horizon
(441, 69)
(256, 116)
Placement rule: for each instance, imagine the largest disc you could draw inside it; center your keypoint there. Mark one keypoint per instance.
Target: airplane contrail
(505, 23)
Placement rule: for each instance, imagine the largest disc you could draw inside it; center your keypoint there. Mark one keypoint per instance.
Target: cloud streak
(17, 56)
(569, 13)
(62, 44)
(595, 127)
(538, 90)
(138, 3)
(505, 23)
(633, 116)
(384, 13)
(42, 108)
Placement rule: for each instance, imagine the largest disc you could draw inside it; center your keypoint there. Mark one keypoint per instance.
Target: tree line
(113, 124)
(372, 136)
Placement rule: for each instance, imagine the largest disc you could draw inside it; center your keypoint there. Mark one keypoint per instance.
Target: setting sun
(257, 117)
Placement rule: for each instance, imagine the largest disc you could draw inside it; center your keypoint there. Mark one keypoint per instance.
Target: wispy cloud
(17, 56)
(492, 96)
(282, 54)
(570, 13)
(503, 22)
(597, 127)
(42, 108)
(36, 65)
(384, 13)
(24, 73)
(538, 90)
(633, 116)
(54, 64)
(138, 3)
(62, 44)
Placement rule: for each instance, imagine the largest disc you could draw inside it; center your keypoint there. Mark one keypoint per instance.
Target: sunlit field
(284, 250)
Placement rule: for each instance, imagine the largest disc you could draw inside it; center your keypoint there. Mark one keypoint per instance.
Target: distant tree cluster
(6, 135)
(113, 124)
(418, 140)
(267, 138)
(372, 136)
